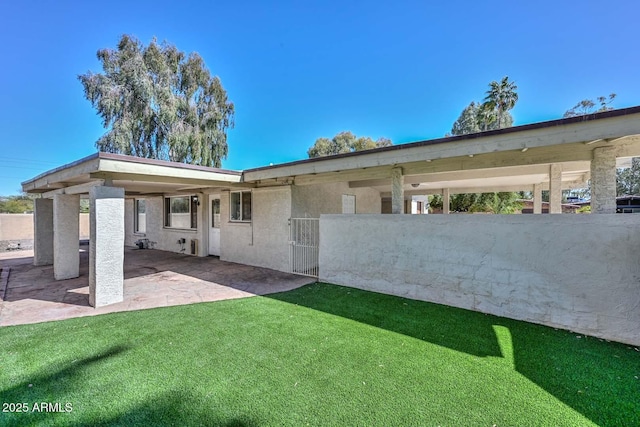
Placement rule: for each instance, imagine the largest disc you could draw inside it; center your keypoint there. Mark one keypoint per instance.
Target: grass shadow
(454, 328)
(599, 379)
(171, 408)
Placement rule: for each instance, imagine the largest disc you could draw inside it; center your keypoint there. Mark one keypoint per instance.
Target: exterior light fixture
(415, 185)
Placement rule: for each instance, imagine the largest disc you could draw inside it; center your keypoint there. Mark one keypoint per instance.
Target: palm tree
(501, 97)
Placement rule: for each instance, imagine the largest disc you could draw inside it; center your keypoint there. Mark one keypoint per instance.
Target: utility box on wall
(194, 246)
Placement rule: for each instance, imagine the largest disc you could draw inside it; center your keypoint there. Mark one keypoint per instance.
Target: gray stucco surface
(66, 235)
(263, 242)
(43, 232)
(576, 272)
(106, 247)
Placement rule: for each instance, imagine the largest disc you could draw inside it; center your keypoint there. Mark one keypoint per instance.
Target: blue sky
(300, 70)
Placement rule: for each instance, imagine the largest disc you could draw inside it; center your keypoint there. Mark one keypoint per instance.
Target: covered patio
(152, 278)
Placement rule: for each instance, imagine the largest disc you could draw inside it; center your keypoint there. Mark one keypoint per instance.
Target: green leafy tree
(501, 97)
(628, 179)
(157, 102)
(345, 142)
(492, 114)
(589, 106)
(16, 204)
(468, 121)
(498, 203)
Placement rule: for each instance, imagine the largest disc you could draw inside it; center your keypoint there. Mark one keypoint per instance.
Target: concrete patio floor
(153, 278)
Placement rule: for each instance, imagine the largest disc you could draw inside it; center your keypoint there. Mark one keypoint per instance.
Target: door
(304, 239)
(214, 225)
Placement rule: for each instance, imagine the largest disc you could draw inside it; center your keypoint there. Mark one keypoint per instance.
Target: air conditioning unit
(194, 246)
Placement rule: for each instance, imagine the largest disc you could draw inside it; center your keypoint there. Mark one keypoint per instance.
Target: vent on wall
(194, 246)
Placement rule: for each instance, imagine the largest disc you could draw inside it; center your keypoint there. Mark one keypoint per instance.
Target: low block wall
(19, 228)
(580, 273)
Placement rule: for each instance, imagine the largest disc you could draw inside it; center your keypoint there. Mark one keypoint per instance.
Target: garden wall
(18, 228)
(580, 273)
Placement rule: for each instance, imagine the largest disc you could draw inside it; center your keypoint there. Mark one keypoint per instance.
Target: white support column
(66, 236)
(555, 188)
(537, 198)
(43, 232)
(446, 201)
(106, 247)
(603, 180)
(204, 206)
(397, 191)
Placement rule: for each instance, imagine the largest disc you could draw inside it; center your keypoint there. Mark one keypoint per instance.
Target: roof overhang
(136, 175)
(500, 160)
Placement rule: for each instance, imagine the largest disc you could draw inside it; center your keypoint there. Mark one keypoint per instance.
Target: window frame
(243, 218)
(136, 216)
(193, 202)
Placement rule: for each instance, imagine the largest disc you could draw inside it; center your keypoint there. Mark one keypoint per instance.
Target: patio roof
(136, 175)
(510, 159)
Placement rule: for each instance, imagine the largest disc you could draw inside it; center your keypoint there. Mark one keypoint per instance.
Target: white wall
(264, 241)
(313, 200)
(166, 238)
(580, 273)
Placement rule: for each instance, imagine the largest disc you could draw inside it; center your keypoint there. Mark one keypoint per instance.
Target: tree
(628, 179)
(587, 106)
(501, 97)
(157, 102)
(467, 122)
(492, 114)
(16, 204)
(498, 203)
(345, 142)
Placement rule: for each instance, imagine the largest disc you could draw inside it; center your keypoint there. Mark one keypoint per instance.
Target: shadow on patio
(153, 278)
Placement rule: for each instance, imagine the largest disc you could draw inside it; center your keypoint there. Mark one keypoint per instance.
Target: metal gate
(303, 246)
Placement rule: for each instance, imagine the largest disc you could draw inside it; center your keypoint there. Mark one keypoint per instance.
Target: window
(140, 217)
(215, 213)
(348, 204)
(240, 206)
(181, 212)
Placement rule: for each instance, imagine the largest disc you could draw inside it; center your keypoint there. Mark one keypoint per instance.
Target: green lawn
(322, 355)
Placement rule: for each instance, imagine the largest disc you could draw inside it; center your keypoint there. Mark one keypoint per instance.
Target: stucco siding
(577, 273)
(263, 242)
(313, 200)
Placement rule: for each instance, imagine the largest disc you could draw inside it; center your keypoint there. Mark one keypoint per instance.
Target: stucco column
(106, 247)
(397, 191)
(43, 232)
(66, 236)
(555, 188)
(603, 180)
(537, 198)
(446, 201)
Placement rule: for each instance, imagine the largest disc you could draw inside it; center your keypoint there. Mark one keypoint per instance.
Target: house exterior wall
(580, 273)
(263, 242)
(313, 200)
(165, 239)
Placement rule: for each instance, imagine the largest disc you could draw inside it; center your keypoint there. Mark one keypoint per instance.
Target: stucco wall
(166, 238)
(580, 273)
(20, 226)
(313, 200)
(264, 241)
